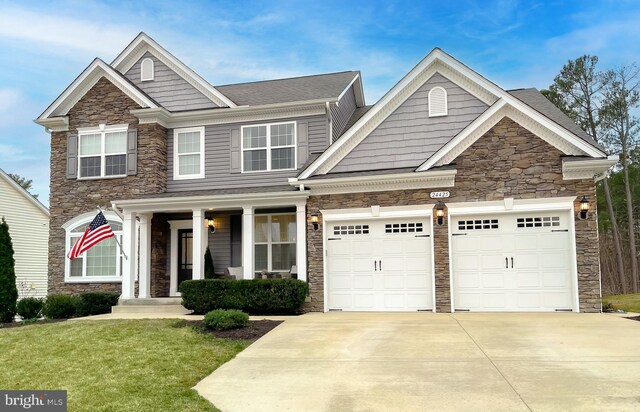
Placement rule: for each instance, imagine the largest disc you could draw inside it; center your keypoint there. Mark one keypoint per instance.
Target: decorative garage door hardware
(506, 261)
(377, 265)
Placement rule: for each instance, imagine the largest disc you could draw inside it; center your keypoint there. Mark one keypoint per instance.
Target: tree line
(605, 104)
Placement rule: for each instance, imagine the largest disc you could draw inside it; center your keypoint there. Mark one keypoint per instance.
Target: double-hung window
(269, 147)
(275, 242)
(188, 153)
(102, 152)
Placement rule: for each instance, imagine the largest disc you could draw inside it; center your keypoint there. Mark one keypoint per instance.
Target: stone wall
(508, 161)
(103, 104)
(160, 234)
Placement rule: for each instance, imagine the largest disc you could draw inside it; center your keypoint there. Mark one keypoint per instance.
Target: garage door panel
(529, 300)
(494, 300)
(393, 281)
(468, 300)
(492, 262)
(555, 261)
(416, 301)
(394, 301)
(470, 280)
(557, 300)
(528, 280)
(393, 246)
(363, 301)
(467, 262)
(363, 281)
(416, 245)
(554, 241)
(493, 280)
(557, 279)
(341, 282)
(529, 261)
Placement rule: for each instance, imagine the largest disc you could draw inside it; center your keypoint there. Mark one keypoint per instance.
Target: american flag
(97, 231)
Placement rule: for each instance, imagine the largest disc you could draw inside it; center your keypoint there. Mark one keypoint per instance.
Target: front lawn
(628, 303)
(118, 365)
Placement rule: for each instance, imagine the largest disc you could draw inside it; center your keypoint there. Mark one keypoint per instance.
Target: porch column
(199, 244)
(144, 283)
(129, 248)
(301, 241)
(247, 242)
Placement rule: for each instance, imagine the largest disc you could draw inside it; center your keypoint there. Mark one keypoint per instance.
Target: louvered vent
(437, 102)
(146, 70)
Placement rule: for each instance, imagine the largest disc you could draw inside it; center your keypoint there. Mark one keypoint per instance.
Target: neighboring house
(300, 172)
(28, 222)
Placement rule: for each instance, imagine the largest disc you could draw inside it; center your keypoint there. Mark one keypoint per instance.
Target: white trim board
(174, 226)
(84, 82)
(436, 61)
(143, 44)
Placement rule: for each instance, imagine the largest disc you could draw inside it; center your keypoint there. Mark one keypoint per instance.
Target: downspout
(329, 123)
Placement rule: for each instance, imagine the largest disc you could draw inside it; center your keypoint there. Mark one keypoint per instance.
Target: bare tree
(577, 91)
(621, 98)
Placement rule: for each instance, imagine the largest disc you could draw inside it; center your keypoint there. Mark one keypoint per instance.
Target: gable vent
(146, 70)
(437, 102)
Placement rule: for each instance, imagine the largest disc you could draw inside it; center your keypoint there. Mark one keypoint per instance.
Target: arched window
(437, 102)
(146, 70)
(101, 263)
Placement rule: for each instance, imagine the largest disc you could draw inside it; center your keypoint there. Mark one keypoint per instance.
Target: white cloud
(8, 99)
(66, 33)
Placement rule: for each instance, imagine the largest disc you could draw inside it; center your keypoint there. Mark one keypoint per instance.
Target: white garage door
(380, 265)
(512, 262)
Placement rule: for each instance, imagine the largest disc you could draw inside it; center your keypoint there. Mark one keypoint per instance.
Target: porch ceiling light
(314, 221)
(440, 213)
(584, 208)
(211, 223)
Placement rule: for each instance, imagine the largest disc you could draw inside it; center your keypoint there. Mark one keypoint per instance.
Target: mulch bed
(38, 322)
(253, 332)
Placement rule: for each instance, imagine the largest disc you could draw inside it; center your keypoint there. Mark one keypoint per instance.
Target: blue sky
(44, 45)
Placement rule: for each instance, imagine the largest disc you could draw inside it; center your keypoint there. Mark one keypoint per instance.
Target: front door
(185, 255)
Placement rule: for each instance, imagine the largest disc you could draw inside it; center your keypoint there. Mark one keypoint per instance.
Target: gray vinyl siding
(167, 88)
(341, 113)
(218, 173)
(409, 136)
(220, 242)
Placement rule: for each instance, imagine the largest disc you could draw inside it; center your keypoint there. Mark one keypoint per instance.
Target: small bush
(60, 306)
(223, 319)
(608, 307)
(255, 296)
(30, 308)
(96, 303)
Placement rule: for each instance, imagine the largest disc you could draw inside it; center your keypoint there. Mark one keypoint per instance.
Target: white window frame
(268, 147)
(270, 242)
(84, 220)
(176, 160)
(146, 79)
(102, 130)
(446, 102)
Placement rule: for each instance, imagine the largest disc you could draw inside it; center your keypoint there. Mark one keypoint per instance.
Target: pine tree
(209, 272)
(8, 289)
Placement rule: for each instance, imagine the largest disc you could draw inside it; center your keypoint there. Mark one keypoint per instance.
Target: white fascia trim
(357, 76)
(382, 212)
(212, 201)
(24, 193)
(378, 183)
(54, 124)
(558, 137)
(509, 205)
(239, 114)
(143, 43)
(588, 168)
(83, 83)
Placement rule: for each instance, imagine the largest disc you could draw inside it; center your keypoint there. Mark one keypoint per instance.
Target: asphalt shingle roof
(295, 89)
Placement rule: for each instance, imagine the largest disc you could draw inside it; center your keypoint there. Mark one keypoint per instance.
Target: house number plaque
(439, 195)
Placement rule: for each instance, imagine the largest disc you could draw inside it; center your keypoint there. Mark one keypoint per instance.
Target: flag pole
(114, 236)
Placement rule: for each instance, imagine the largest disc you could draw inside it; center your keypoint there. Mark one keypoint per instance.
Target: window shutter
(437, 102)
(303, 143)
(72, 156)
(132, 152)
(235, 151)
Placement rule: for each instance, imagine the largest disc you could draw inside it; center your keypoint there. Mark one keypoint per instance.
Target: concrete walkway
(435, 362)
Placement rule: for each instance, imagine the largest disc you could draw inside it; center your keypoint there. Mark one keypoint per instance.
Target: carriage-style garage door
(512, 262)
(380, 265)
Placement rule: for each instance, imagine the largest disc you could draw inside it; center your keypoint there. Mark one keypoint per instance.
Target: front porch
(165, 239)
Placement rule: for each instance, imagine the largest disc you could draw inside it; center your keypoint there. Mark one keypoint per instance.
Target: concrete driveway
(435, 362)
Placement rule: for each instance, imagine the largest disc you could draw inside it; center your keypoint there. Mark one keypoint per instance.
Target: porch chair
(233, 272)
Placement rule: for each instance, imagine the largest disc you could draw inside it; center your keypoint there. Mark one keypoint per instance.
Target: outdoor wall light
(584, 208)
(440, 213)
(314, 221)
(211, 223)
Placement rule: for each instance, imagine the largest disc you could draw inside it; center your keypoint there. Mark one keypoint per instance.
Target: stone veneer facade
(103, 104)
(508, 161)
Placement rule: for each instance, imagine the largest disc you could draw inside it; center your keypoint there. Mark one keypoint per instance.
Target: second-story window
(103, 152)
(188, 153)
(269, 147)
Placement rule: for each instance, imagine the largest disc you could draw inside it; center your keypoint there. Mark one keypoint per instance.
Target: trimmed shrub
(225, 319)
(254, 296)
(8, 289)
(30, 308)
(96, 303)
(60, 306)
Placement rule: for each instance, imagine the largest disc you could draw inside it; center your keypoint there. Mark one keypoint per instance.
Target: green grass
(629, 303)
(118, 365)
